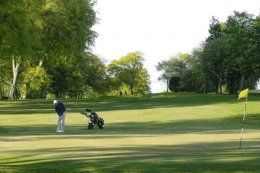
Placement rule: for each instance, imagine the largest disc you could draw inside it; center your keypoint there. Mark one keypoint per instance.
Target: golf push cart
(94, 119)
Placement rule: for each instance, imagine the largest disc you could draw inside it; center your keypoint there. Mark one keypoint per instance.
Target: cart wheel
(90, 126)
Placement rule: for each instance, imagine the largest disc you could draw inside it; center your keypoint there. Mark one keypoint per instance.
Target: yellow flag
(243, 94)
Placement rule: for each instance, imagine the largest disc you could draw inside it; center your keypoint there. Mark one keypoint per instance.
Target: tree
(35, 82)
(255, 49)
(16, 41)
(213, 59)
(214, 54)
(239, 62)
(67, 28)
(129, 71)
(45, 33)
(67, 34)
(200, 79)
(94, 73)
(165, 67)
(4, 77)
(216, 29)
(172, 69)
(174, 83)
(229, 53)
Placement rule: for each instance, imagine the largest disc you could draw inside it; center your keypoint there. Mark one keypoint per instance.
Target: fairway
(157, 133)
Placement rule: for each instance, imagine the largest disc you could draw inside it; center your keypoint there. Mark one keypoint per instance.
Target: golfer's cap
(55, 101)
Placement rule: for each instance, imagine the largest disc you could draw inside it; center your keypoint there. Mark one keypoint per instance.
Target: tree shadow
(216, 125)
(119, 103)
(194, 157)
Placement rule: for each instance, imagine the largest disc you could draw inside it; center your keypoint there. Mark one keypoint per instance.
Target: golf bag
(94, 119)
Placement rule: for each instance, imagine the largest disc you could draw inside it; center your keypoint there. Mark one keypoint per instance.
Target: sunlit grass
(161, 133)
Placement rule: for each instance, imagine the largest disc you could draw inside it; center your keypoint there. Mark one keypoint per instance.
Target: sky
(159, 29)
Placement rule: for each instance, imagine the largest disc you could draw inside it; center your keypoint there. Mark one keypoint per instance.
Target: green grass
(158, 133)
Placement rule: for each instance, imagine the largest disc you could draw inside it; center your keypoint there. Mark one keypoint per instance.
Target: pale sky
(159, 28)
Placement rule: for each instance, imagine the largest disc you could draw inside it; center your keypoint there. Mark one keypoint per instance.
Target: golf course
(181, 132)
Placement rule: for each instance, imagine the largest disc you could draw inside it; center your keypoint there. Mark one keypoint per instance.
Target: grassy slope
(161, 133)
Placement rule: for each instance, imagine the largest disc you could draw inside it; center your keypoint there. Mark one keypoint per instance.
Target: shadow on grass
(217, 125)
(197, 157)
(192, 157)
(119, 103)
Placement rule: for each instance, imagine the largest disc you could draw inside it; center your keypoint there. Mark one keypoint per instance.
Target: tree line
(228, 60)
(45, 51)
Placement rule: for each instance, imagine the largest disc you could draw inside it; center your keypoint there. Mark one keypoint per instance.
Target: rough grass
(156, 133)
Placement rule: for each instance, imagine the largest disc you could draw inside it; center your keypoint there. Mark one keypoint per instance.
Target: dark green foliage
(129, 72)
(94, 73)
(60, 77)
(51, 34)
(174, 84)
(35, 83)
(239, 59)
(229, 59)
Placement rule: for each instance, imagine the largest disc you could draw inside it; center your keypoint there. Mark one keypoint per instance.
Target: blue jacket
(60, 108)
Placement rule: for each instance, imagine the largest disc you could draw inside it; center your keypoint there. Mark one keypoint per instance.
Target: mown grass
(157, 133)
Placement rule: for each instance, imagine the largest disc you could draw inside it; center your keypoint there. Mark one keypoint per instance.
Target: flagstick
(241, 138)
(245, 110)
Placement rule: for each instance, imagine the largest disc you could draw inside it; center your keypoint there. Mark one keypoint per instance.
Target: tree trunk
(220, 85)
(216, 87)
(132, 90)
(40, 63)
(205, 85)
(1, 92)
(167, 83)
(24, 93)
(13, 90)
(242, 82)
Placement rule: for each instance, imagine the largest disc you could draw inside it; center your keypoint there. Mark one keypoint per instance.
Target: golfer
(61, 111)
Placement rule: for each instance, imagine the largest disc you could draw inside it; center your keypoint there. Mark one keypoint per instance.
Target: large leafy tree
(94, 72)
(200, 79)
(84, 75)
(16, 41)
(255, 49)
(86, 78)
(129, 71)
(35, 82)
(67, 34)
(229, 54)
(240, 60)
(216, 29)
(5, 77)
(48, 33)
(172, 70)
(166, 69)
(214, 54)
(213, 59)
(67, 28)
